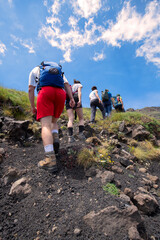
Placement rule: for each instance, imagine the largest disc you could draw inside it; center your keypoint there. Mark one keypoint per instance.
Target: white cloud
(150, 50)
(2, 48)
(10, 3)
(25, 43)
(72, 39)
(86, 8)
(98, 57)
(0, 61)
(130, 26)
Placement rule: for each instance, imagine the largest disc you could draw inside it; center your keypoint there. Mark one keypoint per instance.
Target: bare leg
(80, 116)
(46, 133)
(71, 118)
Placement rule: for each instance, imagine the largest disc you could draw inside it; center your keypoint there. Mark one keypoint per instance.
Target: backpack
(117, 101)
(73, 93)
(50, 74)
(105, 96)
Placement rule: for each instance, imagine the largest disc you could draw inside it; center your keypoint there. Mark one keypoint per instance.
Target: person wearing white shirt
(95, 102)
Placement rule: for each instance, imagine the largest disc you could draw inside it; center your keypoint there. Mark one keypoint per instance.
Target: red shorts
(50, 102)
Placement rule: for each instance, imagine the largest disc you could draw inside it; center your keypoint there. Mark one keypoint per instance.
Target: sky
(111, 44)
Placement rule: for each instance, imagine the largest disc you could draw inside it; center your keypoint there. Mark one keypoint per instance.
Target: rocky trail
(73, 203)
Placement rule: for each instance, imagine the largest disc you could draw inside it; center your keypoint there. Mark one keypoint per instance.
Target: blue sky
(107, 43)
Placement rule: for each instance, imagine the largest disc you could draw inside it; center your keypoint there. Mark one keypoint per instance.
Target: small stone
(142, 170)
(2, 151)
(15, 220)
(155, 186)
(154, 179)
(77, 231)
(59, 190)
(47, 215)
(130, 167)
(54, 228)
(89, 179)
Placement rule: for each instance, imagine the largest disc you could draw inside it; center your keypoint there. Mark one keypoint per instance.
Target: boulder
(139, 133)
(20, 188)
(146, 203)
(106, 176)
(113, 221)
(16, 130)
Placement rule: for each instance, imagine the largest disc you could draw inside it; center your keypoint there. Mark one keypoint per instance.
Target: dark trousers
(108, 108)
(94, 104)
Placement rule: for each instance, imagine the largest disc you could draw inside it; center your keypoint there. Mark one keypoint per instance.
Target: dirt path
(58, 202)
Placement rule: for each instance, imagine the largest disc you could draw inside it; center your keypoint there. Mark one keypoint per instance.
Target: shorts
(50, 102)
(76, 101)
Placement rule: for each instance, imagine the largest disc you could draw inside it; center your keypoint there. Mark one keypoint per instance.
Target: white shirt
(76, 86)
(34, 76)
(92, 95)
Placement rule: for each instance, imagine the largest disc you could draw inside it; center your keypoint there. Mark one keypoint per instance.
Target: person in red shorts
(50, 104)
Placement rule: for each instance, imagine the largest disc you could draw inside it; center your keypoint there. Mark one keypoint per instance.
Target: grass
(85, 158)
(131, 118)
(146, 151)
(111, 189)
(14, 103)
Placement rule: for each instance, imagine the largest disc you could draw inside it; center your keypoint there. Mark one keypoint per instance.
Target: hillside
(151, 111)
(106, 188)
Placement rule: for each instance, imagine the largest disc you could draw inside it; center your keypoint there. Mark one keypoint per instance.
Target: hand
(79, 104)
(34, 110)
(72, 103)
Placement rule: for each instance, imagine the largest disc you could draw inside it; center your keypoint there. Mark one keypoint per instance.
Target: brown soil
(58, 202)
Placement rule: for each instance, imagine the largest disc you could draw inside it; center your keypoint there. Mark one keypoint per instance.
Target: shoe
(81, 136)
(49, 163)
(55, 142)
(71, 139)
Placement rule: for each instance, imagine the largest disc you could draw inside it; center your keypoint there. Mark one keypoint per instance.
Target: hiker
(50, 81)
(107, 102)
(118, 103)
(77, 95)
(95, 102)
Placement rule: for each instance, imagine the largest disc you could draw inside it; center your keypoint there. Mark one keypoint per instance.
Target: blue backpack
(117, 102)
(50, 75)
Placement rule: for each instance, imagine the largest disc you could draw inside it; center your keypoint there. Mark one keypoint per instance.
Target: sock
(70, 131)
(48, 148)
(81, 128)
(54, 131)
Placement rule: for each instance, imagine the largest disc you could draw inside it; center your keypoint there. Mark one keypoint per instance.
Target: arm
(112, 99)
(31, 98)
(69, 92)
(96, 92)
(121, 102)
(79, 96)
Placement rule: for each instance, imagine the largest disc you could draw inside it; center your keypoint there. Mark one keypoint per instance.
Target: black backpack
(105, 96)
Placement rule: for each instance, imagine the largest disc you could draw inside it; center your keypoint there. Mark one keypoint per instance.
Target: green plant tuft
(111, 189)
(85, 157)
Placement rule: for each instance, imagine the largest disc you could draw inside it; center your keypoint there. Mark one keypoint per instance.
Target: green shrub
(146, 151)
(85, 158)
(111, 189)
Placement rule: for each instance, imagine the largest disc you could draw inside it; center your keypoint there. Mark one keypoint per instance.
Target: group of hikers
(55, 92)
(105, 103)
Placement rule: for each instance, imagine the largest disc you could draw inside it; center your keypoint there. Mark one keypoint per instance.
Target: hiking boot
(55, 142)
(81, 136)
(49, 163)
(71, 139)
